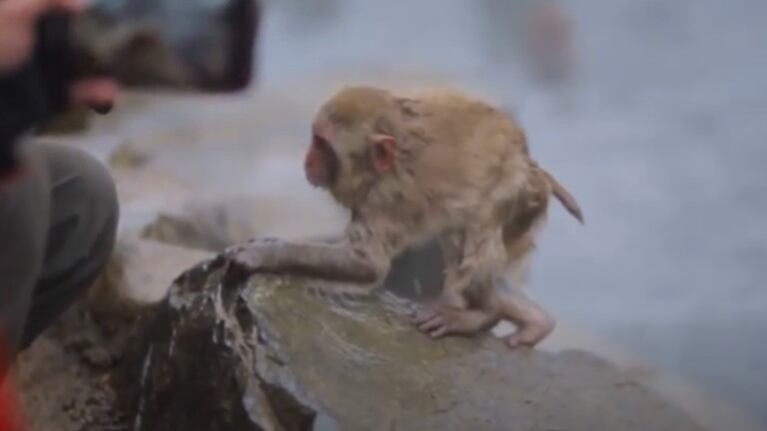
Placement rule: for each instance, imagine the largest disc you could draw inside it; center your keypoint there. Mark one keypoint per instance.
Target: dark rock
(417, 273)
(68, 379)
(270, 353)
(64, 378)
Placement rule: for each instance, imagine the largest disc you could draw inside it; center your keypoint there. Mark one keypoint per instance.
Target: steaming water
(663, 139)
(662, 136)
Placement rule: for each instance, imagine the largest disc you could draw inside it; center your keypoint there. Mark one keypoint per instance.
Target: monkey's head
(353, 143)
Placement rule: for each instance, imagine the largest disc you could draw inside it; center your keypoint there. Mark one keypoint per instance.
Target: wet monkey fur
(418, 167)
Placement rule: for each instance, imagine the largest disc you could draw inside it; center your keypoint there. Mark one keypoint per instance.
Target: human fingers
(99, 94)
(29, 10)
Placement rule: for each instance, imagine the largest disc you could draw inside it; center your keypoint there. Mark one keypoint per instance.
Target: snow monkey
(433, 165)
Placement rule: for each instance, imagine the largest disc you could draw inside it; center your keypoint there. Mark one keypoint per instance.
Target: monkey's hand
(443, 321)
(248, 254)
(332, 262)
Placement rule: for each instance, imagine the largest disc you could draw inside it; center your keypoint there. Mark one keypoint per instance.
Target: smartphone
(180, 45)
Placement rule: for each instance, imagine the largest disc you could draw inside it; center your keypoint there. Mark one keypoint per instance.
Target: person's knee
(95, 182)
(82, 228)
(84, 192)
(102, 207)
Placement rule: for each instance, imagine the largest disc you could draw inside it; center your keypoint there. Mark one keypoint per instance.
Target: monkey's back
(476, 159)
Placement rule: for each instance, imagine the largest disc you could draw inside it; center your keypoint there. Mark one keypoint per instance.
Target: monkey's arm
(337, 261)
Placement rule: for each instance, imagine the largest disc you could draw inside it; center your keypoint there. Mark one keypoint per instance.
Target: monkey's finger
(324, 295)
(249, 257)
(241, 258)
(232, 249)
(513, 341)
(421, 316)
(413, 314)
(430, 325)
(346, 300)
(263, 240)
(439, 332)
(99, 94)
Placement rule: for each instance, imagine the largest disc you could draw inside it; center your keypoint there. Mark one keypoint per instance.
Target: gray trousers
(57, 230)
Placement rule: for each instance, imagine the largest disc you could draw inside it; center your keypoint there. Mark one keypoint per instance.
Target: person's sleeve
(36, 91)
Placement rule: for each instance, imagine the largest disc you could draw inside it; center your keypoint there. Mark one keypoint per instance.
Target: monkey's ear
(382, 154)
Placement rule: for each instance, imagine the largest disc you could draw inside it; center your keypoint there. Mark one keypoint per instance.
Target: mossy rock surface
(270, 353)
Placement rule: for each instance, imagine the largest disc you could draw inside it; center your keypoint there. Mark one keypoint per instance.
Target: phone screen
(186, 45)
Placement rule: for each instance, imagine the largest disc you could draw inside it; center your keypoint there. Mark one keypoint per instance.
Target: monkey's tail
(564, 197)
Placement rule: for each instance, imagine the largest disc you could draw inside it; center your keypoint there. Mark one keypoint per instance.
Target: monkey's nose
(102, 108)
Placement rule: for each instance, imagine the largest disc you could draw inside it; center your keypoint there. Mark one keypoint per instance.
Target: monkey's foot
(532, 331)
(441, 322)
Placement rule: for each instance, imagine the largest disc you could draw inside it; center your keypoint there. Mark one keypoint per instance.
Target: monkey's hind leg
(465, 306)
(470, 255)
(532, 321)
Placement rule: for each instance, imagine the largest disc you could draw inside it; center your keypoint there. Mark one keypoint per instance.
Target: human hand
(18, 19)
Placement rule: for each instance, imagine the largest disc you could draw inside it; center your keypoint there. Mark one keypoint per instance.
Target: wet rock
(67, 378)
(270, 353)
(64, 378)
(417, 273)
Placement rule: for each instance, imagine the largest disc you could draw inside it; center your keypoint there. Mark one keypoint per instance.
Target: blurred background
(652, 112)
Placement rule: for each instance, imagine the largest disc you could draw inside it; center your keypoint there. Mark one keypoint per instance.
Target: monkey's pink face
(321, 164)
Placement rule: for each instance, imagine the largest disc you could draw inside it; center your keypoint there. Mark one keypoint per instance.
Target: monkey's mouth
(321, 165)
(321, 183)
(313, 181)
